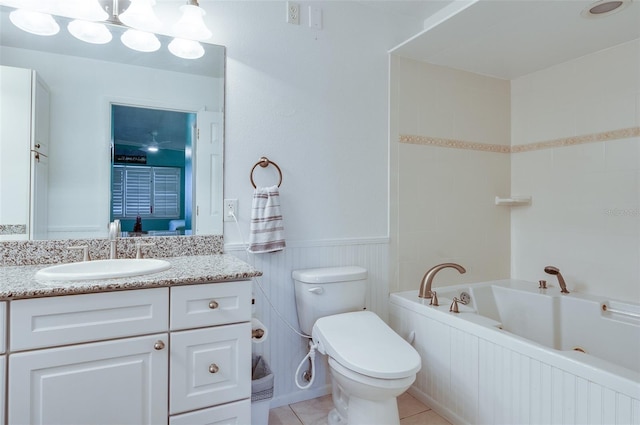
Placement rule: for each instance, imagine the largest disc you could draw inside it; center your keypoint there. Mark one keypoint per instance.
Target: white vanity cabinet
(210, 365)
(112, 358)
(24, 152)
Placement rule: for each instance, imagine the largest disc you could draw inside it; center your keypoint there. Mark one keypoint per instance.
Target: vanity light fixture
(85, 10)
(186, 49)
(89, 32)
(35, 16)
(191, 26)
(141, 41)
(34, 22)
(140, 15)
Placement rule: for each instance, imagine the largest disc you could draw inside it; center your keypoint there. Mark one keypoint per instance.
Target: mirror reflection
(151, 164)
(85, 83)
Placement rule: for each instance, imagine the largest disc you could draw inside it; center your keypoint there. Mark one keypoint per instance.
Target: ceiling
(510, 38)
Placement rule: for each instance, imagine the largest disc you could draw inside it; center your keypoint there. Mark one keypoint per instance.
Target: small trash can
(261, 390)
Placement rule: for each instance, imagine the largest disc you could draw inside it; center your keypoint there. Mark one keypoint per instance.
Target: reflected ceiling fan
(154, 145)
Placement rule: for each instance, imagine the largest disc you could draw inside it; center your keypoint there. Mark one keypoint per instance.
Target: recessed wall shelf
(513, 201)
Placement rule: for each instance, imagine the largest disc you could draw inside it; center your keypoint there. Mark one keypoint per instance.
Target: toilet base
(379, 408)
(367, 412)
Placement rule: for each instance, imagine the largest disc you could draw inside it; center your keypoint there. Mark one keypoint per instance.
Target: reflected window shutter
(166, 192)
(137, 191)
(117, 191)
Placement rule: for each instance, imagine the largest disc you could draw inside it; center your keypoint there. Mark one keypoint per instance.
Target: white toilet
(370, 364)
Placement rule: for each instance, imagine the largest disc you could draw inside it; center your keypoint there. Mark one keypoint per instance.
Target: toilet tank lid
(330, 274)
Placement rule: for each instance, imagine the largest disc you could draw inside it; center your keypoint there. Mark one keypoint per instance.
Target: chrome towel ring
(264, 162)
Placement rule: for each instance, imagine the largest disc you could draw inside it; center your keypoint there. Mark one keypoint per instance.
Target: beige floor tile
(425, 418)
(409, 405)
(283, 416)
(315, 411)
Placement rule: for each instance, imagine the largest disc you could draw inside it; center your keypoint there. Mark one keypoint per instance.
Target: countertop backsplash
(23, 253)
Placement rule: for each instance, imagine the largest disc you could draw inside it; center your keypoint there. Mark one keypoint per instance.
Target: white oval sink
(103, 269)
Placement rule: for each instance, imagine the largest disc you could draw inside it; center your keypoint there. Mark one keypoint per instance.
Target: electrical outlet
(230, 209)
(293, 13)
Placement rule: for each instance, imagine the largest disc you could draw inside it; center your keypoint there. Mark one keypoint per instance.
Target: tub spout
(556, 271)
(427, 279)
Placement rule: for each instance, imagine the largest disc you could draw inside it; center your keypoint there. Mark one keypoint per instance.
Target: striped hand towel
(266, 229)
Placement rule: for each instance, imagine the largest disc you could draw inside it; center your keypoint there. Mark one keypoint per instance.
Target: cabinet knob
(213, 368)
(159, 345)
(213, 305)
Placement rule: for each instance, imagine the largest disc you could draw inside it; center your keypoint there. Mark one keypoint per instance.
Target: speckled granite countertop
(19, 282)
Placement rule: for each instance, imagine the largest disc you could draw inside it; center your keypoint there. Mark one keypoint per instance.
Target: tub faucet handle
(434, 299)
(454, 306)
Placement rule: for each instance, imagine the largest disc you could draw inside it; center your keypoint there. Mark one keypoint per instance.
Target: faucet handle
(85, 251)
(139, 246)
(454, 306)
(434, 299)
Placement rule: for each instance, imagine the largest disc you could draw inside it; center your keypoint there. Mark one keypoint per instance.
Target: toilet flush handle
(316, 290)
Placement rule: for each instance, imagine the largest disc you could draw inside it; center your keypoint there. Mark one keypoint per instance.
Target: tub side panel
(474, 376)
(464, 374)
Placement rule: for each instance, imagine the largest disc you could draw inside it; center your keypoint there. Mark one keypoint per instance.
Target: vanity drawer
(209, 366)
(44, 322)
(210, 304)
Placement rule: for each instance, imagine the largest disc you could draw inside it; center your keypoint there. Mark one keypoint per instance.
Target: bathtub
(518, 354)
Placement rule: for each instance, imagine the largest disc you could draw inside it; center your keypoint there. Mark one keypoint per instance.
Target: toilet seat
(360, 341)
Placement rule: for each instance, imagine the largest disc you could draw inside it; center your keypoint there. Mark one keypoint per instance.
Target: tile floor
(315, 411)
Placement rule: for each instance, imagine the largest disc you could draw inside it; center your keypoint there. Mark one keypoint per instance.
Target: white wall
(315, 102)
(81, 89)
(585, 216)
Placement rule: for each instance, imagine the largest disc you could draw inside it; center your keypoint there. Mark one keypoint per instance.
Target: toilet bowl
(370, 367)
(370, 364)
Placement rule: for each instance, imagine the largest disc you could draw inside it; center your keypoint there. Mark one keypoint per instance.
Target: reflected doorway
(152, 170)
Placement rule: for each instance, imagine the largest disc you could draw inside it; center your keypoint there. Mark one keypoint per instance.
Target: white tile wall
(586, 197)
(585, 216)
(443, 207)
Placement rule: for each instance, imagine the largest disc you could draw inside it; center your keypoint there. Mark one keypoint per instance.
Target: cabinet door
(113, 382)
(15, 136)
(210, 366)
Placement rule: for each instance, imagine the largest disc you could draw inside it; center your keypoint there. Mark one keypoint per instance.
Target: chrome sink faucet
(114, 234)
(427, 279)
(556, 271)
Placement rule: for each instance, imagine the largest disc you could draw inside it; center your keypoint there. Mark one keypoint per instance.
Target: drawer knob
(213, 305)
(159, 345)
(213, 368)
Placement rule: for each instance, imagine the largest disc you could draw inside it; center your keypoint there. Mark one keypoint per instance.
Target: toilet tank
(326, 291)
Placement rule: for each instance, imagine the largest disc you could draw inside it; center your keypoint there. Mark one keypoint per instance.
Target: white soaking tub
(517, 354)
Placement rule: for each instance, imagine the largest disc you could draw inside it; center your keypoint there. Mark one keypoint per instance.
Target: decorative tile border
(452, 143)
(21, 253)
(13, 229)
(624, 133)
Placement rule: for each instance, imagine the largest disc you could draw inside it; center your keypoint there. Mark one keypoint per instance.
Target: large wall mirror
(110, 108)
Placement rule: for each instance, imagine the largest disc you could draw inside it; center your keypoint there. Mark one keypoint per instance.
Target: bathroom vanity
(172, 347)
